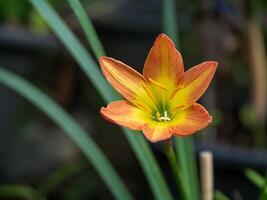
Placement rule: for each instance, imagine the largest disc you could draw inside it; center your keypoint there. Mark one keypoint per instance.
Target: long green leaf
(19, 192)
(149, 165)
(263, 193)
(218, 195)
(87, 27)
(255, 178)
(145, 153)
(74, 131)
(258, 180)
(170, 25)
(184, 146)
(186, 155)
(75, 47)
(138, 143)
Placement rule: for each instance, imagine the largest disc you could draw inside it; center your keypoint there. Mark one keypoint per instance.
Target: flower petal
(190, 120)
(128, 82)
(196, 81)
(157, 131)
(164, 63)
(125, 114)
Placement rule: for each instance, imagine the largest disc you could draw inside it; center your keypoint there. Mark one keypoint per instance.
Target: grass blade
(75, 47)
(263, 193)
(258, 180)
(184, 146)
(87, 64)
(255, 178)
(170, 25)
(87, 27)
(74, 131)
(147, 160)
(218, 195)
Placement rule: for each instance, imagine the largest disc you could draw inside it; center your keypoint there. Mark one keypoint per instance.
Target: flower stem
(170, 154)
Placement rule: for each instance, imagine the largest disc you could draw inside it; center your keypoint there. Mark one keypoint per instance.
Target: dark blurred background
(34, 151)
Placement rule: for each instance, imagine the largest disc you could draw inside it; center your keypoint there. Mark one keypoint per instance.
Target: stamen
(175, 91)
(158, 116)
(142, 107)
(164, 118)
(158, 84)
(150, 94)
(178, 107)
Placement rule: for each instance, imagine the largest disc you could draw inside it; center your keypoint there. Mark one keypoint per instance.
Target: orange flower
(162, 101)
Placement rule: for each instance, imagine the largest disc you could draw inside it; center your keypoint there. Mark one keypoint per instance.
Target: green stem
(170, 154)
(184, 146)
(140, 146)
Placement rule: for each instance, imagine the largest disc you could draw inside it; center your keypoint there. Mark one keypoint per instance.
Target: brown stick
(206, 173)
(257, 58)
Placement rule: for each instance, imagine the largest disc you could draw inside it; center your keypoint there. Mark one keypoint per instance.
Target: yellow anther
(158, 116)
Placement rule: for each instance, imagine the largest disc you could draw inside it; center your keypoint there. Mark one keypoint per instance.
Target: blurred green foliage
(248, 119)
(259, 181)
(218, 195)
(14, 11)
(21, 12)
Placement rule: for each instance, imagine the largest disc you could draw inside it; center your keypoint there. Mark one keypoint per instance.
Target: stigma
(165, 118)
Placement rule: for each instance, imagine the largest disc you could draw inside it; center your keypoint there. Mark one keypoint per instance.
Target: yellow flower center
(165, 118)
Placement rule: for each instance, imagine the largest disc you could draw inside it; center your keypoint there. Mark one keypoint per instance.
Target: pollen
(165, 118)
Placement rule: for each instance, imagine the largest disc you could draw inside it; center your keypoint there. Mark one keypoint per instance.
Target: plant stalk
(170, 154)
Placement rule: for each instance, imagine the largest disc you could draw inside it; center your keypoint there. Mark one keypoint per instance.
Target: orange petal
(164, 63)
(157, 131)
(125, 114)
(196, 81)
(128, 82)
(190, 120)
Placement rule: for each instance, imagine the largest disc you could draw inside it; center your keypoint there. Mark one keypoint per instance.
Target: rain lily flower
(162, 101)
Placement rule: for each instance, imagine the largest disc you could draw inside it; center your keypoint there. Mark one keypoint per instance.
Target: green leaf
(75, 47)
(20, 192)
(263, 193)
(184, 146)
(147, 160)
(220, 196)
(88, 65)
(88, 28)
(170, 24)
(73, 129)
(255, 177)
(258, 180)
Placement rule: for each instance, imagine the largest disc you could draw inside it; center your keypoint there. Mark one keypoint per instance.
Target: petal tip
(213, 63)
(163, 37)
(103, 112)
(156, 139)
(156, 136)
(103, 59)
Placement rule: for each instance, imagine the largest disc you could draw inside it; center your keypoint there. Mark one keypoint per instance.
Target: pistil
(164, 118)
